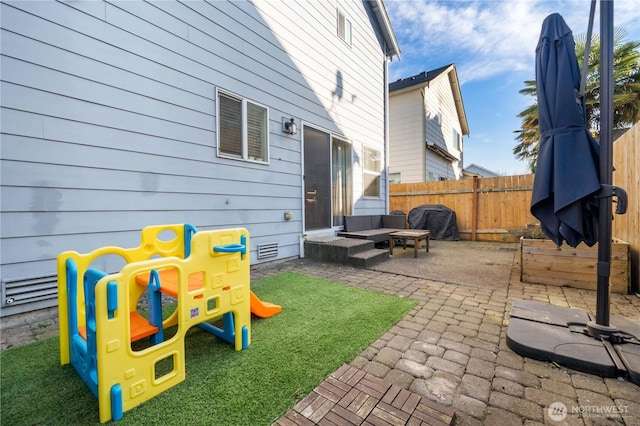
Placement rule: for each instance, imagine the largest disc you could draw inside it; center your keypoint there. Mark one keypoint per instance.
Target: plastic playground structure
(127, 356)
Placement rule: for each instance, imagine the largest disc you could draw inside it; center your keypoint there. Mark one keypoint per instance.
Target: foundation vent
(267, 250)
(26, 294)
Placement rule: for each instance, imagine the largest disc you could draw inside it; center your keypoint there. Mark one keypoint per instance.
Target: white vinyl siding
(406, 136)
(439, 102)
(344, 27)
(422, 119)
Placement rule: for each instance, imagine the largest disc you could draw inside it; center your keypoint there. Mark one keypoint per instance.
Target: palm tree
(626, 94)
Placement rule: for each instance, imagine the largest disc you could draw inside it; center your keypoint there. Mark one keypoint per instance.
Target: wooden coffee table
(416, 236)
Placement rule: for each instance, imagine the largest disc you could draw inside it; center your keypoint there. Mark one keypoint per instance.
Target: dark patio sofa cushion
(375, 228)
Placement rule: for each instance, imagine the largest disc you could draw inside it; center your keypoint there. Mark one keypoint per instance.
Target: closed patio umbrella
(566, 176)
(571, 197)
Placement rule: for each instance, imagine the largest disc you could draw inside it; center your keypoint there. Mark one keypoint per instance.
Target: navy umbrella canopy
(567, 171)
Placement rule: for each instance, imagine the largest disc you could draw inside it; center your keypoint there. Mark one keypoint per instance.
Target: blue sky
(492, 43)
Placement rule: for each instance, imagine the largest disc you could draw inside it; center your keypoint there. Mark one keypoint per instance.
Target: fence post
(474, 209)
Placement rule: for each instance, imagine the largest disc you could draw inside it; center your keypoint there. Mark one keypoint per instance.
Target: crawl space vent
(31, 293)
(267, 250)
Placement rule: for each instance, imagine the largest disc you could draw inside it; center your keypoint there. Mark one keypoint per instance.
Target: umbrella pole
(602, 327)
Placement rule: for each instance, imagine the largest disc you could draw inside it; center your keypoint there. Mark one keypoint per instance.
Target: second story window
(243, 129)
(344, 27)
(457, 140)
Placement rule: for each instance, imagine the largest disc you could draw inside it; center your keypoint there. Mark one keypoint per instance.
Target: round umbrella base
(553, 333)
(599, 331)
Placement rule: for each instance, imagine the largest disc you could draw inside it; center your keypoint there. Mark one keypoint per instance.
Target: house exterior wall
(423, 117)
(439, 99)
(109, 119)
(406, 129)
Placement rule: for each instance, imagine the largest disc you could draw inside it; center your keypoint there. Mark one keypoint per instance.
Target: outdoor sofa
(375, 228)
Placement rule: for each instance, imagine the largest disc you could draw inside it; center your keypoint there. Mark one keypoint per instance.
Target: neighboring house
(120, 115)
(474, 170)
(426, 125)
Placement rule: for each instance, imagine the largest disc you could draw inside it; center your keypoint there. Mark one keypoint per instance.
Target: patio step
(348, 251)
(368, 258)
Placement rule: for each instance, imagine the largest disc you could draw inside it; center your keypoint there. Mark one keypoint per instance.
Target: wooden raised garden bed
(544, 263)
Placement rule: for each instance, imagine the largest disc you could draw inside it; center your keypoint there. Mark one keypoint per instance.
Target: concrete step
(336, 250)
(368, 258)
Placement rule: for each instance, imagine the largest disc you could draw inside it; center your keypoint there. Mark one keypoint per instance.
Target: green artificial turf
(322, 326)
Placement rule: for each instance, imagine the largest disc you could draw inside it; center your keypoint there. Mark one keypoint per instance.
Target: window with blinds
(371, 170)
(243, 129)
(230, 118)
(256, 132)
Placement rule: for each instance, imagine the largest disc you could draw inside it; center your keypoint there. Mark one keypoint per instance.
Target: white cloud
(492, 43)
(485, 38)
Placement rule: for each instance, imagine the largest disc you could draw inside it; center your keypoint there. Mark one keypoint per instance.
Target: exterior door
(317, 179)
(327, 179)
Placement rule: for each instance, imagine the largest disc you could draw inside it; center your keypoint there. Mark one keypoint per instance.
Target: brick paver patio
(451, 349)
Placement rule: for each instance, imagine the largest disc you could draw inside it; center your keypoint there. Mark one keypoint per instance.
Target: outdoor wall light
(289, 126)
(288, 216)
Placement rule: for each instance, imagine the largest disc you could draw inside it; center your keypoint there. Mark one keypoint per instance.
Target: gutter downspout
(385, 72)
(385, 27)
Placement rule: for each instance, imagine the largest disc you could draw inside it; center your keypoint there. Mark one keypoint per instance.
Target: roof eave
(457, 95)
(380, 12)
(413, 87)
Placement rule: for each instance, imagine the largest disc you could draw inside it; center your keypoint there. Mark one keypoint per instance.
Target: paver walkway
(451, 349)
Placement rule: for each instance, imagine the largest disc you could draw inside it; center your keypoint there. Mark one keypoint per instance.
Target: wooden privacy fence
(497, 209)
(626, 161)
(487, 209)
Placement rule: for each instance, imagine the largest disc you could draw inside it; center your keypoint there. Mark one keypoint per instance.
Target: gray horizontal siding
(83, 67)
(33, 150)
(439, 166)
(80, 89)
(288, 247)
(60, 106)
(39, 248)
(30, 175)
(47, 199)
(82, 222)
(108, 118)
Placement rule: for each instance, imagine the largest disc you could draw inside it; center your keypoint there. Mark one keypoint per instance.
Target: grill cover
(438, 219)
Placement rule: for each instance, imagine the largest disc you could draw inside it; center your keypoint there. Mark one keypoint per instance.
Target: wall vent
(31, 293)
(267, 250)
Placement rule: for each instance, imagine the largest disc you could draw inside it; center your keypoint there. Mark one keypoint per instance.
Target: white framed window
(371, 170)
(457, 140)
(344, 27)
(243, 128)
